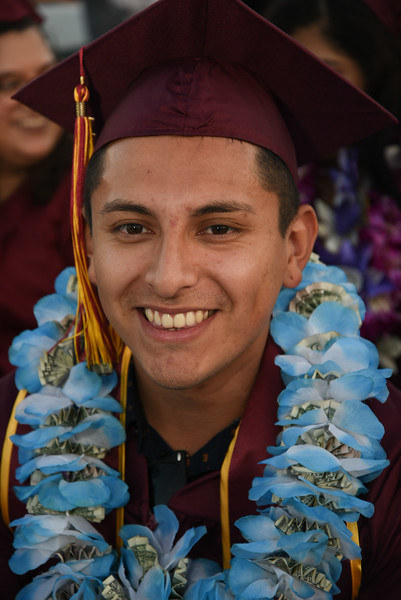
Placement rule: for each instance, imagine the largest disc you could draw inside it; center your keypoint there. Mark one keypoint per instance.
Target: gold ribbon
(125, 362)
(224, 503)
(356, 563)
(6, 459)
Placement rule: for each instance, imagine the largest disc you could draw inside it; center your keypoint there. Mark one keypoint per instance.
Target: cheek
(54, 131)
(110, 286)
(112, 271)
(6, 105)
(253, 279)
(265, 279)
(265, 289)
(106, 273)
(5, 115)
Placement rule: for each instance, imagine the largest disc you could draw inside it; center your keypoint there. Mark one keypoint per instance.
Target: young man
(203, 111)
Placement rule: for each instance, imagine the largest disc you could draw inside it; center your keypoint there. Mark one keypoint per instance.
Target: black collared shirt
(170, 470)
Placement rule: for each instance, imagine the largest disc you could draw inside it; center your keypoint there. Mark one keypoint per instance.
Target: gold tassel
(102, 345)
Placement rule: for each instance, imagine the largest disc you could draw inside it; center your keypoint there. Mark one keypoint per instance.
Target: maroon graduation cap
(15, 10)
(388, 11)
(197, 68)
(209, 67)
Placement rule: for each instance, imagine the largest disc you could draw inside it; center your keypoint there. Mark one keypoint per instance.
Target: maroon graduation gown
(199, 503)
(35, 245)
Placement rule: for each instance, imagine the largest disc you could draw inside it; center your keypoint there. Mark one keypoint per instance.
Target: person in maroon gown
(192, 229)
(357, 191)
(35, 159)
(197, 501)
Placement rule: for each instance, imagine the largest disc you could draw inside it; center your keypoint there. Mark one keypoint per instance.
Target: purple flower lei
(360, 231)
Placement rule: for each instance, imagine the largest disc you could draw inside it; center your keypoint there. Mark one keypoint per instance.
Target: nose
(173, 267)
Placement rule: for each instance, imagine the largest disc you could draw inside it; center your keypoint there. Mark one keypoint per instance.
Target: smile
(32, 122)
(178, 320)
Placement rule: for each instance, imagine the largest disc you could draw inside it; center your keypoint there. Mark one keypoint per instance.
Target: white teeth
(190, 319)
(33, 122)
(177, 321)
(199, 316)
(149, 314)
(167, 321)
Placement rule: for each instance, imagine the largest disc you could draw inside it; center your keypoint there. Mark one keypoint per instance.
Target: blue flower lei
(328, 449)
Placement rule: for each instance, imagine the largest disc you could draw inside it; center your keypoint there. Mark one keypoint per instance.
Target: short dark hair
(93, 176)
(19, 25)
(273, 174)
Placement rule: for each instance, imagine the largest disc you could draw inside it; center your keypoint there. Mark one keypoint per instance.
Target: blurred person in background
(135, 6)
(71, 24)
(104, 14)
(357, 192)
(35, 240)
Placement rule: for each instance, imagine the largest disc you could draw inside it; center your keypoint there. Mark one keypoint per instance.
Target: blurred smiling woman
(34, 178)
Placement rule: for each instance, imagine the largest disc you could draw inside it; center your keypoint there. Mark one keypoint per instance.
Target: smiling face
(25, 136)
(188, 258)
(313, 38)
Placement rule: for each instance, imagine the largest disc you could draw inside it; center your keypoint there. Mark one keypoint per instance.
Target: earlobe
(89, 254)
(301, 236)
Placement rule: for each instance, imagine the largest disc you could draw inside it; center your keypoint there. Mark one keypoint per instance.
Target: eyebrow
(120, 205)
(16, 71)
(226, 206)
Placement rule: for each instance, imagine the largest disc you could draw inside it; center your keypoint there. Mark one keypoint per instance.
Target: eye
(132, 229)
(10, 85)
(219, 229)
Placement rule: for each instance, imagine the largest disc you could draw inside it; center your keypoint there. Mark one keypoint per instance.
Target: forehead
(163, 158)
(24, 49)
(184, 173)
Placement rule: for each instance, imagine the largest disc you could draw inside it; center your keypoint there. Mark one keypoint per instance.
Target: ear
(301, 236)
(89, 253)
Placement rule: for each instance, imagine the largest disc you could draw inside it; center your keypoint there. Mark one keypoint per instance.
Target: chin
(33, 158)
(35, 147)
(177, 378)
(179, 382)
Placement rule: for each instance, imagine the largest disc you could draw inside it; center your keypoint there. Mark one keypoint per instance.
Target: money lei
(310, 487)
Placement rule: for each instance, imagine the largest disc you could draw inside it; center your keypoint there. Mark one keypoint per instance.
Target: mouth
(176, 321)
(32, 123)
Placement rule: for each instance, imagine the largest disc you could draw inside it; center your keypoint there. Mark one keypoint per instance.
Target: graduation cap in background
(15, 10)
(196, 68)
(389, 12)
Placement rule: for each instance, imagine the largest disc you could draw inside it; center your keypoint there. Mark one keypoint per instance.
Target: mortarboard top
(209, 67)
(15, 10)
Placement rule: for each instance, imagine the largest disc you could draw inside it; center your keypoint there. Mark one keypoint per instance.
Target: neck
(188, 418)
(10, 181)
